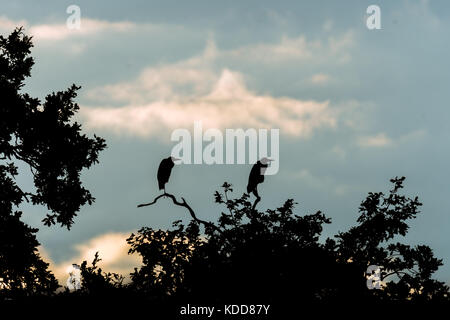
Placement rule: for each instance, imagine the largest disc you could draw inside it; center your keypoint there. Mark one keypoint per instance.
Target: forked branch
(185, 205)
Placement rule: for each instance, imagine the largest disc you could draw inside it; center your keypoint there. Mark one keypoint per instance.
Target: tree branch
(153, 202)
(185, 205)
(227, 203)
(397, 273)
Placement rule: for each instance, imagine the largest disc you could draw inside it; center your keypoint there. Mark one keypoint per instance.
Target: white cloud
(175, 95)
(59, 31)
(112, 248)
(379, 140)
(288, 49)
(322, 183)
(45, 32)
(7, 25)
(202, 88)
(190, 77)
(227, 104)
(56, 37)
(320, 79)
(341, 43)
(382, 140)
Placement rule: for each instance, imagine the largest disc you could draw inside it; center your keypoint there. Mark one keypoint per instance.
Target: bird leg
(256, 202)
(258, 198)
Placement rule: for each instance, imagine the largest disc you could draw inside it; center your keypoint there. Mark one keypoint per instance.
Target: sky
(354, 108)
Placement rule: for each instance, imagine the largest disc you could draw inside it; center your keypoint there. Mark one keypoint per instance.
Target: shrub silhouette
(96, 282)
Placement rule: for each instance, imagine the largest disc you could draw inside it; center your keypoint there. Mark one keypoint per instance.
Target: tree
(382, 218)
(43, 136)
(276, 256)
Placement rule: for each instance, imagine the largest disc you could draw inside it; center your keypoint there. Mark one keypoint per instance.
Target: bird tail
(161, 185)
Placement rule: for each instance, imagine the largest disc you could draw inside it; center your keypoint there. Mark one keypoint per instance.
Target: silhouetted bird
(257, 176)
(164, 170)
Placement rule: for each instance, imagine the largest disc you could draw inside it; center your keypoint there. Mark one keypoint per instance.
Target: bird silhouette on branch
(163, 175)
(165, 169)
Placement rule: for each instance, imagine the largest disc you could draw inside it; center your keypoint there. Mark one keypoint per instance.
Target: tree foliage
(43, 136)
(278, 256)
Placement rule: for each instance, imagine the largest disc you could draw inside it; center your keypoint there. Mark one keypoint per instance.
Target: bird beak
(175, 159)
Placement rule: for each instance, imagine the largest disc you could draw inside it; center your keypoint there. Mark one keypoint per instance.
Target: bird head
(266, 160)
(174, 159)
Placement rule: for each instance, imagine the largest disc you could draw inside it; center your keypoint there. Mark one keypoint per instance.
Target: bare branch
(153, 202)
(185, 205)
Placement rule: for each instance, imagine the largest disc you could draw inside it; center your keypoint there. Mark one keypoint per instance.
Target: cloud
(188, 78)
(320, 79)
(286, 49)
(322, 183)
(228, 104)
(60, 31)
(7, 25)
(334, 48)
(46, 32)
(382, 140)
(202, 88)
(379, 140)
(175, 95)
(413, 136)
(112, 248)
(57, 38)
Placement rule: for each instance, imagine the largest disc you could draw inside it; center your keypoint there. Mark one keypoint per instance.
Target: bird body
(256, 177)
(164, 170)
